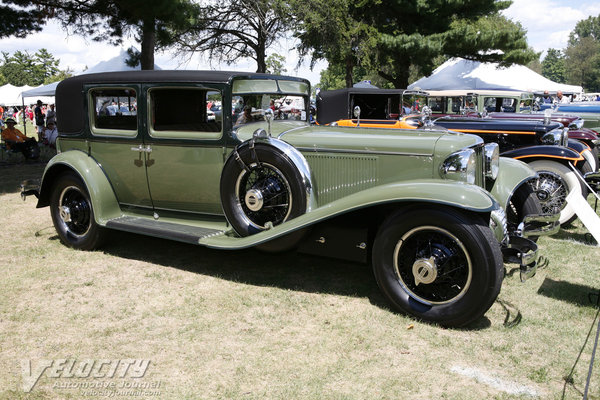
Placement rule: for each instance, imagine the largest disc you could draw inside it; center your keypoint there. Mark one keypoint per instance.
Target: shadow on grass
(581, 295)
(288, 270)
(11, 175)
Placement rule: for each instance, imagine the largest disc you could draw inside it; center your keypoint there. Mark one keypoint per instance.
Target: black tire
(584, 169)
(595, 154)
(455, 254)
(73, 215)
(269, 190)
(522, 203)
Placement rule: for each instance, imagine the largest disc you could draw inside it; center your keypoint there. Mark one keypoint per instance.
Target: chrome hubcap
(424, 270)
(254, 200)
(65, 214)
(551, 191)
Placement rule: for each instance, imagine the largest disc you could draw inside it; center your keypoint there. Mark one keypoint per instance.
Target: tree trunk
(349, 70)
(261, 63)
(148, 44)
(399, 77)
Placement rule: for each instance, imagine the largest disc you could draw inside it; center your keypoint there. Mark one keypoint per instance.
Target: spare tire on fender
(261, 186)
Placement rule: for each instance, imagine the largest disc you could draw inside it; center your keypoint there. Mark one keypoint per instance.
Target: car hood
(491, 124)
(362, 140)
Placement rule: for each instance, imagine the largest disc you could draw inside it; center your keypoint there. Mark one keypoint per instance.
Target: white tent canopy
(458, 73)
(117, 63)
(11, 95)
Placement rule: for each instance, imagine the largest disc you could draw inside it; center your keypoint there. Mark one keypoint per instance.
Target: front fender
(451, 193)
(512, 174)
(532, 153)
(101, 193)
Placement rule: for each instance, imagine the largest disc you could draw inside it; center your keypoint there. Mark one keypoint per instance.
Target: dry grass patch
(249, 325)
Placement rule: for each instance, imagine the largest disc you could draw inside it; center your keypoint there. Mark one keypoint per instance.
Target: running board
(165, 230)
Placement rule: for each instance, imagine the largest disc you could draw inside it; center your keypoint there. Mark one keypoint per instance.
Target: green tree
(229, 30)
(327, 30)
(20, 21)
(154, 23)
(583, 59)
(589, 27)
(414, 33)
(22, 68)
(582, 54)
(553, 66)
(275, 64)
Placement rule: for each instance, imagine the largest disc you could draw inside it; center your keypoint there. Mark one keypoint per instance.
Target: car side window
(185, 113)
(113, 111)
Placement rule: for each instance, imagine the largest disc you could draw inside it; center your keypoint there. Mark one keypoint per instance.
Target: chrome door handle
(143, 149)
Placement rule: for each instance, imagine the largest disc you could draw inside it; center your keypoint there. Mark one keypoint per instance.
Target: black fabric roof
(69, 93)
(333, 105)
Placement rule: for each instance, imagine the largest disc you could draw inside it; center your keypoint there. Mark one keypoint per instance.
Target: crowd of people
(44, 118)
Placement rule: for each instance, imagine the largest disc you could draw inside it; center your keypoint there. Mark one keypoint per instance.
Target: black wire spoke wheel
(261, 187)
(440, 264)
(551, 191)
(433, 265)
(264, 195)
(75, 211)
(73, 215)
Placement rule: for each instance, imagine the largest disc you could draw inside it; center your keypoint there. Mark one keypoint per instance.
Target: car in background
(542, 145)
(509, 105)
(427, 211)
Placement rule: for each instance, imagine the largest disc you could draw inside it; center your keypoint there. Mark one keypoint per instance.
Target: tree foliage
(415, 32)
(275, 64)
(582, 55)
(22, 68)
(398, 38)
(327, 30)
(20, 21)
(553, 66)
(152, 22)
(589, 27)
(583, 59)
(229, 30)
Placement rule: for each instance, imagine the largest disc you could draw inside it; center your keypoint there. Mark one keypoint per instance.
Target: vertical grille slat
(336, 176)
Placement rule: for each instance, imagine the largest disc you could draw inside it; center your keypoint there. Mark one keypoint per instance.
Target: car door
(186, 147)
(117, 142)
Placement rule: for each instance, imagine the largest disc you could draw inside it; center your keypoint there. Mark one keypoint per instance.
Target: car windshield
(252, 97)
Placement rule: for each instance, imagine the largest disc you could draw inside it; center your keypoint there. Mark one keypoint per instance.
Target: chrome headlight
(460, 166)
(556, 137)
(492, 160)
(577, 124)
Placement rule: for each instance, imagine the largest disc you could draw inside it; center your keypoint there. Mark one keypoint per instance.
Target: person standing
(39, 120)
(51, 115)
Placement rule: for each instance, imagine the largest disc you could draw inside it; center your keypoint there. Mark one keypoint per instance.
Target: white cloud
(549, 22)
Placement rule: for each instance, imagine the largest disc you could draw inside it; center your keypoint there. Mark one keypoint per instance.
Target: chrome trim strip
(292, 130)
(351, 151)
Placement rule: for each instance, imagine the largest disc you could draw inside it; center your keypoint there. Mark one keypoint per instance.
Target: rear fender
(450, 193)
(101, 193)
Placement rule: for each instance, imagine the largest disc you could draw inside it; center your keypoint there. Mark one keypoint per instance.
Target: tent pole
(24, 120)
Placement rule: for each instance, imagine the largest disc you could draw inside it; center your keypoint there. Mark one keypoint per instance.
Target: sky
(548, 24)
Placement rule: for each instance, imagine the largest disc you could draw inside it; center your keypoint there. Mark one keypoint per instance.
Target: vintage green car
(140, 152)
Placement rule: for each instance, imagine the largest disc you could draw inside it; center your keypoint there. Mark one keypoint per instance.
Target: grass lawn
(250, 325)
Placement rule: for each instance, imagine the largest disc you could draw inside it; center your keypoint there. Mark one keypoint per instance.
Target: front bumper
(524, 251)
(30, 187)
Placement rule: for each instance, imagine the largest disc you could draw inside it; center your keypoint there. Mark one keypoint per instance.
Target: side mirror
(357, 115)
